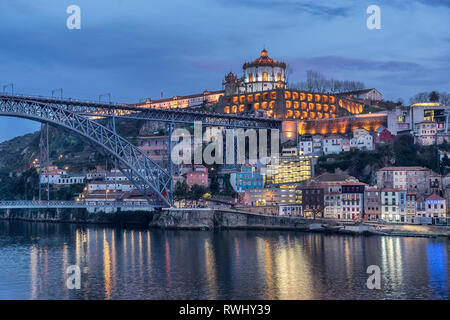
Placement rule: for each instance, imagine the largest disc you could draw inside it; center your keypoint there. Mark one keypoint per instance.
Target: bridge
(106, 110)
(56, 204)
(78, 119)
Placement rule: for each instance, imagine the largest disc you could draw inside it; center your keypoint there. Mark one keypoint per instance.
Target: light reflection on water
(156, 264)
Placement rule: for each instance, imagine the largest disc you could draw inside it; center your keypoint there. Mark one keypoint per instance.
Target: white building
(332, 144)
(366, 94)
(362, 142)
(435, 207)
(52, 176)
(110, 185)
(332, 202)
(60, 177)
(264, 73)
(426, 133)
(317, 144)
(393, 205)
(305, 145)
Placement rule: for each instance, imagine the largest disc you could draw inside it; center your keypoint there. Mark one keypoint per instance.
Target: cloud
(314, 8)
(336, 63)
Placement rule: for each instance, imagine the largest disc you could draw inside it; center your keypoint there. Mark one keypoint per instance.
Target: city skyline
(135, 52)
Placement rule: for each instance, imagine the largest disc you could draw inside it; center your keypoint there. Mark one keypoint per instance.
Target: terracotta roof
(404, 169)
(264, 59)
(332, 177)
(435, 197)
(354, 184)
(392, 189)
(358, 91)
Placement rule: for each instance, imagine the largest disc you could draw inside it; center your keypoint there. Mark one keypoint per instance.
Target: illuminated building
(393, 205)
(352, 200)
(408, 118)
(249, 178)
(205, 99)
(264, 73)
(291, 168)
(435, 206)
(287, 194)
(313, 199)
(411, 207)
(332, 202)
(263, 91)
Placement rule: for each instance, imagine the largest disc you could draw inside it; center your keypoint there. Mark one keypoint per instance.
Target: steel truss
(98, 109)
(148, 177)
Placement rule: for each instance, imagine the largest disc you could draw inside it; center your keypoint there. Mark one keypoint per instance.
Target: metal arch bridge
(75, 117)
(154, 183)
(98, 109)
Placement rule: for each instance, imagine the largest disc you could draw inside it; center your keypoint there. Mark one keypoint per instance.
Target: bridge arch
(145, 174)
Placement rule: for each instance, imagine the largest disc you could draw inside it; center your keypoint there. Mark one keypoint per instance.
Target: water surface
(154, 264)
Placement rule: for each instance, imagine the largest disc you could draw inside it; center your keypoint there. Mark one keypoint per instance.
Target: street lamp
(105, 95)
(8, 85)
(56, 90)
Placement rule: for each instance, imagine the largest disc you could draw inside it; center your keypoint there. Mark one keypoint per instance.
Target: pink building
(199, 175)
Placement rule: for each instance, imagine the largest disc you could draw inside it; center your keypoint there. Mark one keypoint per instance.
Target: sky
(136, 49)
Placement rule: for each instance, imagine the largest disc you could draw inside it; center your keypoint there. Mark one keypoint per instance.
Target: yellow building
(291, 169)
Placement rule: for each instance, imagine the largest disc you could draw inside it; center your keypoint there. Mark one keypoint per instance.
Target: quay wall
(78, 215)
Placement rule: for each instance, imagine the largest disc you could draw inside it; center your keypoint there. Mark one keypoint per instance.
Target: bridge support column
(44, 160)
(170, 129)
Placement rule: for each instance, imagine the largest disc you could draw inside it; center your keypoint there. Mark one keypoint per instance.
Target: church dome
(264, 60)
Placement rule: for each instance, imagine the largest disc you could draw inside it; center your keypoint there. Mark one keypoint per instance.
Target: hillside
(17, 154)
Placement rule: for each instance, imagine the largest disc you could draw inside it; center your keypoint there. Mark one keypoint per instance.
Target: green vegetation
(401, 152)
(26, 187)
(19, 187)
(181, 191)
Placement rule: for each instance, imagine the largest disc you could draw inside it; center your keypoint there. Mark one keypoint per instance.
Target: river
(118, 263)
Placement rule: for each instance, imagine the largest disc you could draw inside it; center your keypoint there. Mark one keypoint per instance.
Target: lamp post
(56, 90)
(8, 85)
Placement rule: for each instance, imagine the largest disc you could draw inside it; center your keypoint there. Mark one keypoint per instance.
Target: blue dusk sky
(137, 48)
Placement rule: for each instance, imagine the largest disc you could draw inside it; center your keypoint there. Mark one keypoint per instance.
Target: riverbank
(208, 219)
(216, 219)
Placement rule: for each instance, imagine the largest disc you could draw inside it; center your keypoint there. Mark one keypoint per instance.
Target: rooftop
(404, 169)
(435, 197)
(332, 177)
(264, 60)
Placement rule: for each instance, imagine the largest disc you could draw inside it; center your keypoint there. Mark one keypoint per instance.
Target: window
(265, 76)
(250, 77)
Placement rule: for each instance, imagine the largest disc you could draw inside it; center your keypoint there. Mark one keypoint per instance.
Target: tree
(444, 98)
(197, 191)
(434, 96)
(419, 97)
(181, 190)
